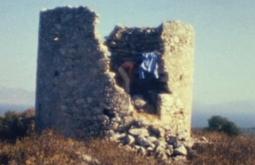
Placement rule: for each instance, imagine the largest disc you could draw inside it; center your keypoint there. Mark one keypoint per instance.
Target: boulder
(155, 131)
(160, 149)
(160, 152)
(117, 136)
(161, 143)
(169, 150)
(142, 141)
(152, 139)
(139, 102)
(138, 124)
(139, 132)
(181, 150)
(128, 139)
(172, 140)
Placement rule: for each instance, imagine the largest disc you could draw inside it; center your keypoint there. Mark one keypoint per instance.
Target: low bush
(15, 125)
(222, 124)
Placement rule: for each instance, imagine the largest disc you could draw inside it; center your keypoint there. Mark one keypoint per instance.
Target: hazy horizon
(242, 112)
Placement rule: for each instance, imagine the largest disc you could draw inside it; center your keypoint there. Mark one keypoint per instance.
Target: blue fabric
(149, 65)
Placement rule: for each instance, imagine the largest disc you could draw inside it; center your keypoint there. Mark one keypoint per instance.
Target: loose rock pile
(151, 140)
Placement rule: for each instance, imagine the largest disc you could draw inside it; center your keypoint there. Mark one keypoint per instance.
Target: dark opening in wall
(109, 113)
(127, 46)
(56, 73)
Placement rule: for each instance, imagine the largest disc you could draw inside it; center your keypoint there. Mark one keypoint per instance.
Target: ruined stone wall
(75, 89)
(175, 41)
(128, 42)
(77, 93)
(178, 58)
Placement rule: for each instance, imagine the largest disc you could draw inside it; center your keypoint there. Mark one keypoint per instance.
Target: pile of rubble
(151, 140)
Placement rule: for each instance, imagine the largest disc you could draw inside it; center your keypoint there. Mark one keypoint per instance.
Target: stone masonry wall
(77, 93)
(174, 40)
(74, 86)
(128, 42)
(178, 56)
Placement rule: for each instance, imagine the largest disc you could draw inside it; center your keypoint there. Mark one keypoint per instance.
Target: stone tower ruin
(78, 90)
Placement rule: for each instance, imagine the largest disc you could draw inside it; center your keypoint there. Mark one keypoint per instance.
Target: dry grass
(225, 150)
(50, 148)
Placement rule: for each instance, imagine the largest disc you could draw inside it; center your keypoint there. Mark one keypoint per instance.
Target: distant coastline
(240, 112)
(12, 107)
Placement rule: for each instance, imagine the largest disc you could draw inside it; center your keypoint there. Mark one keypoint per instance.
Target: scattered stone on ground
(139, 102)
(150, 140)
(139, 132)
(181, 150)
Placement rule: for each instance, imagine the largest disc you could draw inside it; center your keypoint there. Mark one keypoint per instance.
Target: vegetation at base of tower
(20, 144)
(222, 124)
(50, 148)
(28, 147)
(14, 125)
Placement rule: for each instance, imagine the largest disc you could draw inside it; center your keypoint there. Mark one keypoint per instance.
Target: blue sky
(225, 38)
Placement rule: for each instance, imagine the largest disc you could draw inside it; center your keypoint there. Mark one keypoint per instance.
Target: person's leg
(153, 98)
(125, 78)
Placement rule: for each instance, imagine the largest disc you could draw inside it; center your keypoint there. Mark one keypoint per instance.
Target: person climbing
(126, 71)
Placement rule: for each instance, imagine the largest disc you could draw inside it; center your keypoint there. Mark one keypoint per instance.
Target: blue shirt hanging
(149, 65)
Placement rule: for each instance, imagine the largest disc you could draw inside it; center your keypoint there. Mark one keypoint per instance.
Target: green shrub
(14, 125)
(222, 124)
